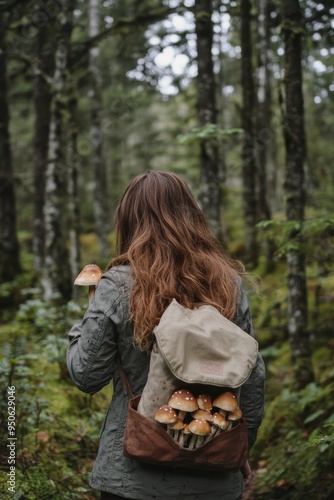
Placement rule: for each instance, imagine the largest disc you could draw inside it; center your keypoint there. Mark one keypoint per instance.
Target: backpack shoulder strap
(124, 379)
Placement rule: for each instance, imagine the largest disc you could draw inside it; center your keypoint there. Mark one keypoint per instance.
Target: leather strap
(125, 382)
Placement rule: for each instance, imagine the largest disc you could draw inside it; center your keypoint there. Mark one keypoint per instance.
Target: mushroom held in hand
(183, 401)
(89, 276)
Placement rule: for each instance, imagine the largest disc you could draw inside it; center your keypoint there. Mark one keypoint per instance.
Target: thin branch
(120, 24)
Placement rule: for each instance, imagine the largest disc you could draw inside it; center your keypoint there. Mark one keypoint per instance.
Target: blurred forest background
(238, 98)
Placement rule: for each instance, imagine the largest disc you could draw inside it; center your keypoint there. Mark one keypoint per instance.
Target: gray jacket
(106, 332)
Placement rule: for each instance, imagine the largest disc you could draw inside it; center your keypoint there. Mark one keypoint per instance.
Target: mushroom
(176, 428)
(166, 415)
(199, 428)
(89, 276)
(202, 414)
(226, 402)
(219, 423)
(183, 401)
(184, 434)
(233, 416)
(204, 402)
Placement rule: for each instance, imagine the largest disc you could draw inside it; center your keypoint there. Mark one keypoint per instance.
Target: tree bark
(264, 130)
(248, 152)
(9, 246)
(73, 160)
(101, 209)
(56, 272)
(207, 114)
(295, 191)
(42, 101)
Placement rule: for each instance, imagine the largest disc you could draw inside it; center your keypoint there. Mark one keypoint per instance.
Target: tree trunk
(295, 191)
(42, 101)
(9, 246)
(73, 160)
(248, 152)
(207, 114)
(264, 130)
(56, 272)
(102, 216)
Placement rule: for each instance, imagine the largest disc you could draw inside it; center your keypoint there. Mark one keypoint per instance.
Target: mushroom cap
(200, 427)
(226, 401)
(166, 415)
(202, 414)
(90, 275)
(183, 400)
(178, 425)
(204, 402)
(219, 421)
(234, 415)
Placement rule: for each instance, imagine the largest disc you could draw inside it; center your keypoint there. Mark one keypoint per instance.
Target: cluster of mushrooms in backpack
(192, 421)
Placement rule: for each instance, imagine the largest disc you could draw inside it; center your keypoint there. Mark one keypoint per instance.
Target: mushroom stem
(192, 443)
(91, 292)
(184, 435)
(215, 431)
(199, 441)
(182, 414)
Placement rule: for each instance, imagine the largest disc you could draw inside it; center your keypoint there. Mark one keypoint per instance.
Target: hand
(246, 473)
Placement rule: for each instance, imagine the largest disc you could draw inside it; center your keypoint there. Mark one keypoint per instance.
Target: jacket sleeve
(253, 390)
(92, 351)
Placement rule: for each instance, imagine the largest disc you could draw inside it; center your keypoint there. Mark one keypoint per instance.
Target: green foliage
(296, 439)
(210, 131)
(57, 427)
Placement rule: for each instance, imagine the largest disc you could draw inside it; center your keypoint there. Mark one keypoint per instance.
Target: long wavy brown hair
(163, 235)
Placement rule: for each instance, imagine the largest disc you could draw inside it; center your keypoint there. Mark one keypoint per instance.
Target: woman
(165, 251)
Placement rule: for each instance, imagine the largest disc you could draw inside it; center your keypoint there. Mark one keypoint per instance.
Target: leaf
(264, 224)
(314, 416)
(207, 132)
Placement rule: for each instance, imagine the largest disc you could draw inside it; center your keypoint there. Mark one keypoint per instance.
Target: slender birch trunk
(207, 114)
(42, 101)
(73, 160)
(295, 143)
(264, 130)
(101, 209)
(56, 272)
(248, 153)
(9, 246)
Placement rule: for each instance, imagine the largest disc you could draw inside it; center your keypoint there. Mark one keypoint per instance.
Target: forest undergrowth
(57, 426)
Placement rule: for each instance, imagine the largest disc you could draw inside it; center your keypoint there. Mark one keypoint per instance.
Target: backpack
(196, 352)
